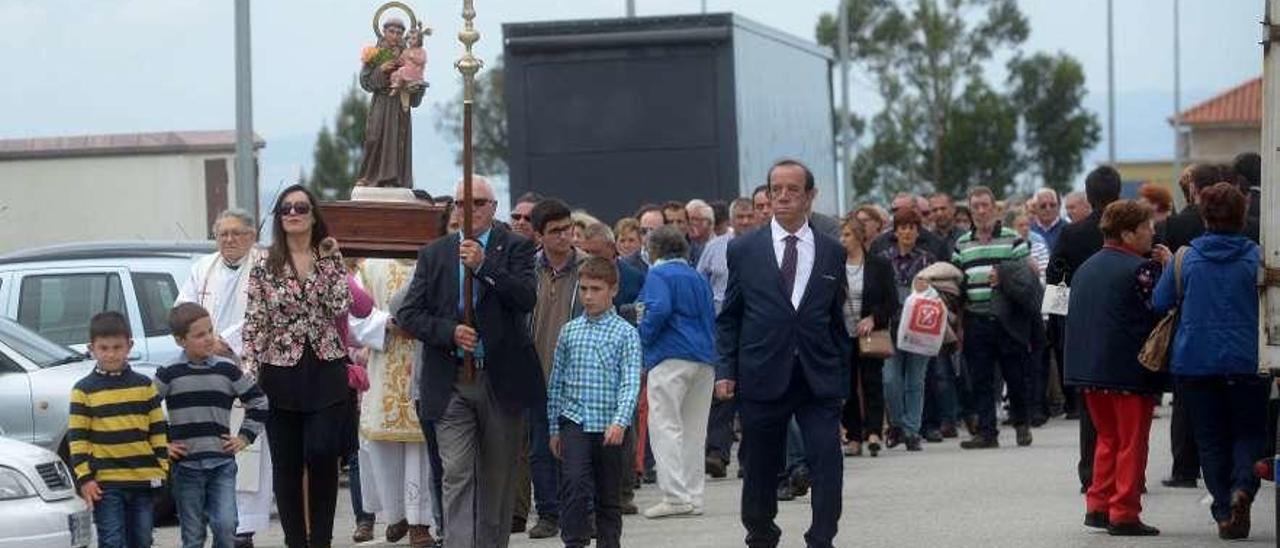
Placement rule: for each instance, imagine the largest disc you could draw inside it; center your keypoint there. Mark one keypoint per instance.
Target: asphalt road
(943, 496)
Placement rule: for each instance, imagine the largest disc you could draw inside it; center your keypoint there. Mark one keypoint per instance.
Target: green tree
(1049, 92)
(489, 125)
(981, 142)
(924, 56)
(338, 152)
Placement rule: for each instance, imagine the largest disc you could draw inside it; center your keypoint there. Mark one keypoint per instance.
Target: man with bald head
(478, 420)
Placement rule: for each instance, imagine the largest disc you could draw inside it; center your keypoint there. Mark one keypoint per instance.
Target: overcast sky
(119, 66)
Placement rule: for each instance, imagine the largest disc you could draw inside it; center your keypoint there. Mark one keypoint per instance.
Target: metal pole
(1269, 343)
(704, 6)
(1177, 93)
(846, 133)
(631, 8)
(246, 174)
(468, 65)
(1111, 88)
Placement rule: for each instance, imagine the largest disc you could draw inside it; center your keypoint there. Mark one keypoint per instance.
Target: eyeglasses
(298, 208)
(517, 217)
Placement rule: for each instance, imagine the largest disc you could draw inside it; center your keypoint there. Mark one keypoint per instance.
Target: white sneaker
(666, 509)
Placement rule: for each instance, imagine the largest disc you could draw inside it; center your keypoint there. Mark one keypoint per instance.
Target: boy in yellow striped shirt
(119, 449)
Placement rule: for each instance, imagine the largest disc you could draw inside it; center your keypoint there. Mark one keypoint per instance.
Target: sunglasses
(299, 208)
(517, 217)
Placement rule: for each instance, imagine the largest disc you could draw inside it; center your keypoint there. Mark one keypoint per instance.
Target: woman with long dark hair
(870, 305)
(290, 341)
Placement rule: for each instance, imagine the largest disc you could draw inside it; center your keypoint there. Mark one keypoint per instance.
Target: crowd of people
(602, 357)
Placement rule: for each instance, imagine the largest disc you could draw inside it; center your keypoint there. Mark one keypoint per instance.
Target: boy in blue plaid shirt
(590, 401)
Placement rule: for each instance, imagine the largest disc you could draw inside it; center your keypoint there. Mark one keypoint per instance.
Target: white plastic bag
(924, 323)
(1056, 299)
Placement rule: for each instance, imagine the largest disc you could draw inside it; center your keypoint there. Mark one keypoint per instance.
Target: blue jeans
(1229, 417)
(206, 498)
(904, 390)
(123, 518)
(353, 485)
(544, 469)
(941, 403)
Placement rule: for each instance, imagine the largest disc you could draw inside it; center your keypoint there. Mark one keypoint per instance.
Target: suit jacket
(1078, 242)
(761, 337)
(506, 292)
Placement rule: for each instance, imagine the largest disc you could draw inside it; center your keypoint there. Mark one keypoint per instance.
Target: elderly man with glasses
(218, 282)
(1046, 220)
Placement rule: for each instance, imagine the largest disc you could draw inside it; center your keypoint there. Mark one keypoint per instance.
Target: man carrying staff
(218, 282)
(476, 380)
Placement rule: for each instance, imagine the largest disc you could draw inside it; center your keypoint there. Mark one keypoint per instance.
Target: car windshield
(31, 345)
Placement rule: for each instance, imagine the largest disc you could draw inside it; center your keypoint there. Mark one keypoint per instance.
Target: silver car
(36, 377)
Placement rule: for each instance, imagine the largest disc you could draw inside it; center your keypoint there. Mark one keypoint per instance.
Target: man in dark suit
(478, 422)
(1076, 244)
(784, 352)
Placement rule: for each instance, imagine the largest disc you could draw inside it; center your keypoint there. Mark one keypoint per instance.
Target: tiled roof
(126, 144)
(1239, 105)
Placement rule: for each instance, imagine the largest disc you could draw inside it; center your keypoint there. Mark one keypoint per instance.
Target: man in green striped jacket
(986, 345)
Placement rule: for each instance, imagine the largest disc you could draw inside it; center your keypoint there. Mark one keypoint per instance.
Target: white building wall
(149, 197)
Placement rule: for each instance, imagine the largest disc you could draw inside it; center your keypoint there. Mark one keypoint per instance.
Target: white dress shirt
(805, 252)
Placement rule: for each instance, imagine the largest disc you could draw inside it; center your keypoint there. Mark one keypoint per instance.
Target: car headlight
(14, 485)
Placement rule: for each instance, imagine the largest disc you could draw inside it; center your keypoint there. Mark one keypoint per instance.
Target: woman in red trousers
(1109, 317)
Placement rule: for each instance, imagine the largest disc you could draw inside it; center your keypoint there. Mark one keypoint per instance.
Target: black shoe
(784, 491)
(1024, 436)
(1132, 529)
(545, 528)
(1179, 483)
(1039, 420)
(716, 467)
(629, 508)
(650, 477)
(1096, 520)
(913, 444)
(933, 435)
(980, 442)
(519, 524)
(949, 430)
(800, 483)
(397, 531)
(244, 541)
(893, 438)
(971, 424)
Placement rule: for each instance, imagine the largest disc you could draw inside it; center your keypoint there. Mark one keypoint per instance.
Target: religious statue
(392, 72)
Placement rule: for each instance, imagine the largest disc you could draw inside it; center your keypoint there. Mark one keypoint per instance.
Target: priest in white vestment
(218, 282)
(395, 471)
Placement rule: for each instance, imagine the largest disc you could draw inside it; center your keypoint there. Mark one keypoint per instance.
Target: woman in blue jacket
(1215, 354)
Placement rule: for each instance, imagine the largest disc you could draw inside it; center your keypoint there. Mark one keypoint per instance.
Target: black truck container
(612, 113)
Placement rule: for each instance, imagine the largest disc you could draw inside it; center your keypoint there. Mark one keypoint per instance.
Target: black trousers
(764, 437)
(1182, 440)
(589, 472)
(863, 413)
(720, 429)
(314, 442)
(1088, 442)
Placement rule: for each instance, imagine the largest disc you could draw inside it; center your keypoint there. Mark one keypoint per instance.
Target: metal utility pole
(1111, 88)
(631, 8)
(246, 173)
(845, 135)
(704, 6)
(1177, 93)
(1269, 343)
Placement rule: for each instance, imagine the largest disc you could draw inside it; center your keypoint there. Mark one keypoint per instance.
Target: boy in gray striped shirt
(198, 393)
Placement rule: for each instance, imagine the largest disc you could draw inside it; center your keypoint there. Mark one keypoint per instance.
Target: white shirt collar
(805, 233)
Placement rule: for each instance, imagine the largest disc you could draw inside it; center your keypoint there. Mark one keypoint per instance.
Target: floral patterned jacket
(285, 314)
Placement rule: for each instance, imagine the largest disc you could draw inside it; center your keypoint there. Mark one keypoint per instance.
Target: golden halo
(377, 17)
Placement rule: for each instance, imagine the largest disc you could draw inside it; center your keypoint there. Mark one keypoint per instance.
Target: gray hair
(1077, 195)
(742, 203)
(1045, 192)
(598, 230)
(238, 214)
(668, 242)
(701, 207)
